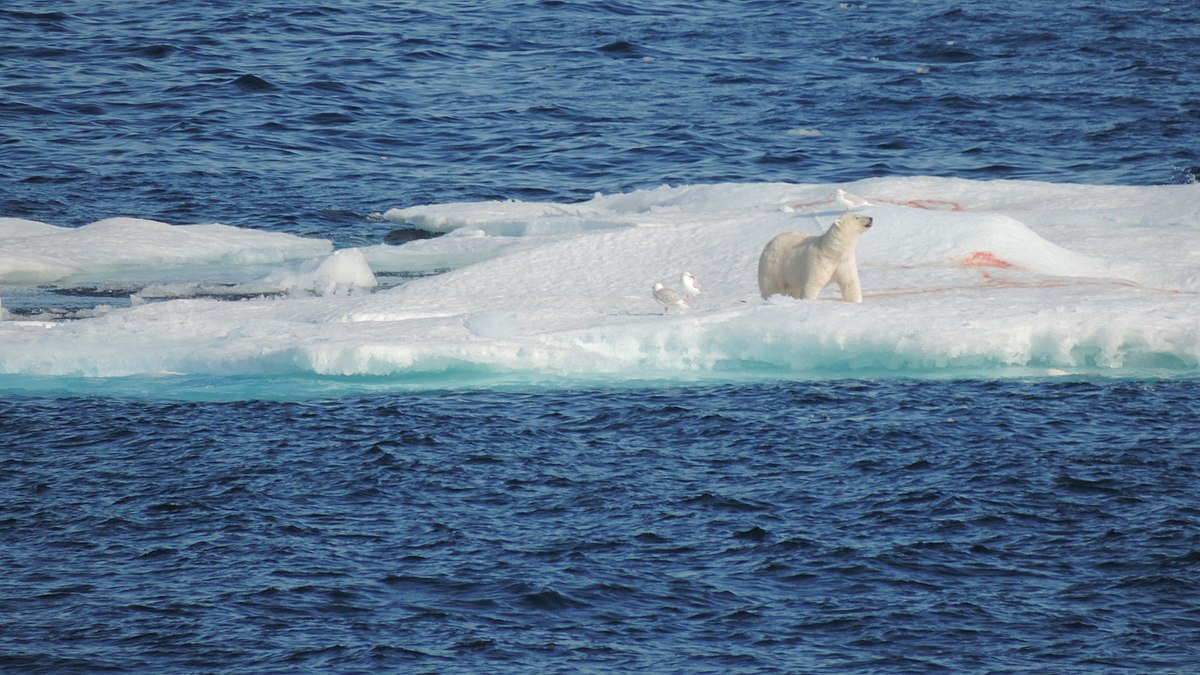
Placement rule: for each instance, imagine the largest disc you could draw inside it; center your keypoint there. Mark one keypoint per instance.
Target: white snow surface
(960, 277)
(33, 252)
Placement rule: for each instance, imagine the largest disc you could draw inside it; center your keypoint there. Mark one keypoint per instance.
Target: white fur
(800, 264)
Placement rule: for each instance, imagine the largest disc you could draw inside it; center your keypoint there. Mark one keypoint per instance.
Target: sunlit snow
(959, 277)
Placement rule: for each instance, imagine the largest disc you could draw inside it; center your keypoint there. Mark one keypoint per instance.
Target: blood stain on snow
(927, 204)
(932, 204)
(987, 259)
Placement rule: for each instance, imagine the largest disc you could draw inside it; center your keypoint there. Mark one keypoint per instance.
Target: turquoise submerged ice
(960, 277)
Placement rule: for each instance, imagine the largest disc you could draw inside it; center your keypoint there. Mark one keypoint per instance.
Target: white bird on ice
(668, 298)
(849, 201)
(690, 287)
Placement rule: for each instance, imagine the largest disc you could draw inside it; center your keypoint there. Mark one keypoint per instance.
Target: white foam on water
(960, 277)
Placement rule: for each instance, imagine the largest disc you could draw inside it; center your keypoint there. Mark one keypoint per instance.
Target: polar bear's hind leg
(775, 265)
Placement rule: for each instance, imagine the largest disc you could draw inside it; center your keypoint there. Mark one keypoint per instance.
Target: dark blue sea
(878, 525)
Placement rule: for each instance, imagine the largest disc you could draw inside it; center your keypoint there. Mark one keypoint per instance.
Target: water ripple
(858, 525)
(539, 100)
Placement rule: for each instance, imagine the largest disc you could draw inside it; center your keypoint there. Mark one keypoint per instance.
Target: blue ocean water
(307, 116)
(897, 526)
(889, 525)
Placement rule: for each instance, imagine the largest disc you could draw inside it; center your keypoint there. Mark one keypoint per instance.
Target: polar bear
(800, 264)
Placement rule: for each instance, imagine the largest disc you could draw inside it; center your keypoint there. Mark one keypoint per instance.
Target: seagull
(849, 201)
(690, 287)
(668, 298)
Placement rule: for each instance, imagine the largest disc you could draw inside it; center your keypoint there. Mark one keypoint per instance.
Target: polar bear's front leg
(846, 277)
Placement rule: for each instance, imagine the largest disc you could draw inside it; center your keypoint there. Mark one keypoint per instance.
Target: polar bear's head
(855, 223)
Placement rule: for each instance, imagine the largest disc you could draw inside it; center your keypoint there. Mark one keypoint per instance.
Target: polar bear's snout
(870, 221)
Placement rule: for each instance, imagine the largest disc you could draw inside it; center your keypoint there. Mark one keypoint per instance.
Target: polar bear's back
(773, 264)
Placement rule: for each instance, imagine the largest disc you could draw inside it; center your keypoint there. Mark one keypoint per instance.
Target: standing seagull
(690, 287)
(668, 298)
(849, 201)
